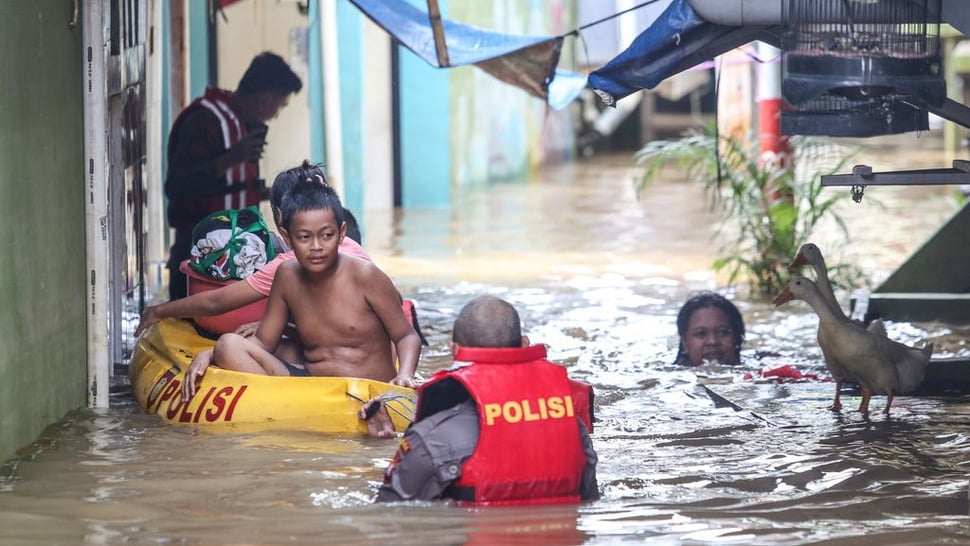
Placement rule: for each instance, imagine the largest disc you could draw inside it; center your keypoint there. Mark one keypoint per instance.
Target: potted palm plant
(772, 209)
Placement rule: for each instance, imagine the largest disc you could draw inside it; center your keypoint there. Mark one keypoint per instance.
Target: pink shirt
(262, 280)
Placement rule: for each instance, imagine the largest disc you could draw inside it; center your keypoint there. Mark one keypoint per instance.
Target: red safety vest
(242, 180)
(528, 448)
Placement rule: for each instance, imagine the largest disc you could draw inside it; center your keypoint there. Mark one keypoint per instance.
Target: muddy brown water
(598, 276)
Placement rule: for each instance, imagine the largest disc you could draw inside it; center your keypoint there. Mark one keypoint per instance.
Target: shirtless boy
(257, 286)
(346, 311)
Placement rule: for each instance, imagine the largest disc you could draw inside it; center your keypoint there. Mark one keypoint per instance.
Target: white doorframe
(96, 204)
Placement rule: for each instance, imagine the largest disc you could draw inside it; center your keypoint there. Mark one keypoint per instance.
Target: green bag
(231, 244)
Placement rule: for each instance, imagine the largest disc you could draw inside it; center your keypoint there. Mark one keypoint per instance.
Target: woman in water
(711, 330)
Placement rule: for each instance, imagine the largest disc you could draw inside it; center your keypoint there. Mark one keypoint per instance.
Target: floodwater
(598, 276)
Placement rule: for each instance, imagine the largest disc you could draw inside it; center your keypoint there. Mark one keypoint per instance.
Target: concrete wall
(458, 126)
(377, 123)
(352, 83)
(253, 27)
(425, 137)
(249, 29)
(498, 131)
(463, 127)
(43, 347)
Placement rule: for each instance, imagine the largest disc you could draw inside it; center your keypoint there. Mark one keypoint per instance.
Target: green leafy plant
(772, 210)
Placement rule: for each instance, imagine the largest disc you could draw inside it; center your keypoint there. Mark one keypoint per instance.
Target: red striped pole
(774, 147)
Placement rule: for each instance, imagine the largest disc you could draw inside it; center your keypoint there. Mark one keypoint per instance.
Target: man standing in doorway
(214, 150)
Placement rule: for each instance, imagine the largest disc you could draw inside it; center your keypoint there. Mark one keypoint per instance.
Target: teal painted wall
(314, 87)
(43, 336)
(425, 129)
(425, 133)
(462, 127)
(198, 14)
(499, 131)
(350, 45)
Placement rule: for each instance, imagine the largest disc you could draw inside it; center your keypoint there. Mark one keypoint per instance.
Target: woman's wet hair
(703, 300)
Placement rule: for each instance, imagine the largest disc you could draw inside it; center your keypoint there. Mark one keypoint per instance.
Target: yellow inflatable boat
(228, 401)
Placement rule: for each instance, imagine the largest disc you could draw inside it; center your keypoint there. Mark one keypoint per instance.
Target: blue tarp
(676, 41)
(528, 62)
(466, 44)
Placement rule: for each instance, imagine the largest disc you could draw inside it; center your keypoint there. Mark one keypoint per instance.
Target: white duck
(879, 364)
(810, 254)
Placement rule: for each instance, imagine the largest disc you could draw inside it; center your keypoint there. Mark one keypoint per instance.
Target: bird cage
(834, 115)
(873, 64)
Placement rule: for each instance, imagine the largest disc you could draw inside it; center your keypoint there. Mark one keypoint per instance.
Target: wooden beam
(440, 47)
(178, 38)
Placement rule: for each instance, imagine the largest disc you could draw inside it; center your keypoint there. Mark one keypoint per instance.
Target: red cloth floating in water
(786, 373)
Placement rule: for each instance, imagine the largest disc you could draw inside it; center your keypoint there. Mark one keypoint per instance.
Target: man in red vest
(502, 426)
(214, 150)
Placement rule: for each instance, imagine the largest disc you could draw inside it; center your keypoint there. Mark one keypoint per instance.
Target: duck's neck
(824, 311)
(825, 287)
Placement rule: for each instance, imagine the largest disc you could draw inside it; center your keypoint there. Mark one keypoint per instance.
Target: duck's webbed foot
(837, 403)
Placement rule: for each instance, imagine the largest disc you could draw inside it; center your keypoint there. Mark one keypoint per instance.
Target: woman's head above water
(710, 328)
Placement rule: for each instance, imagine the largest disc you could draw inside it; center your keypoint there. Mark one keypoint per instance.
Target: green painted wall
(43, 339)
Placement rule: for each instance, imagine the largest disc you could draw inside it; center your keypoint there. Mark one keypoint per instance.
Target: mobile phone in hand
(372, 409)
(258, 130)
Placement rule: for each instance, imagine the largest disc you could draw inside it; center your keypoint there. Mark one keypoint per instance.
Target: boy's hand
(404, 381)
(148, 317)
(379, 424)
(249, 148)
(248, 329)
(194, 373)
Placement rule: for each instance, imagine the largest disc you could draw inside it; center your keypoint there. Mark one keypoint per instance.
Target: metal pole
(774, 145)
(775, 152)
(440, 47)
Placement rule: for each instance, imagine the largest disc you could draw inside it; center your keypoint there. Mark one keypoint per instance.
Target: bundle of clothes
(232, 244)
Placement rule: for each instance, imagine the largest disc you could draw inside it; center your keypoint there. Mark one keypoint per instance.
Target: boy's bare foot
(379, 423)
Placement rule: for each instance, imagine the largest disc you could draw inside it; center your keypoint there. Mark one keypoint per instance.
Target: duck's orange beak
(799, 261)
(784, 297)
